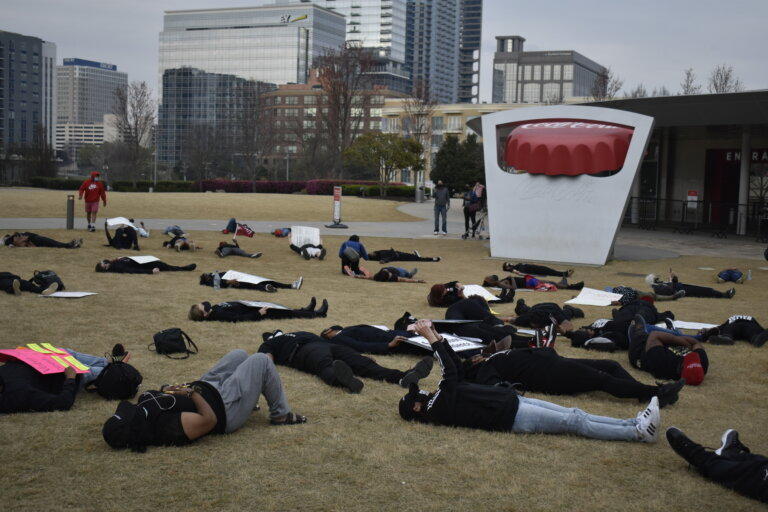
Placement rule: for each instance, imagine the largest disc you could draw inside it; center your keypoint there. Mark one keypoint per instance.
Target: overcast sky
(650, 42)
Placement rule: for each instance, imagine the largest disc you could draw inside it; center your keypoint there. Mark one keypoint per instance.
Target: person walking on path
(93, 189)
(442, 204)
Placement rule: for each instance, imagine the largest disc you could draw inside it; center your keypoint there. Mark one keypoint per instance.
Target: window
(556, 72)
(310, 112)
(374, 124)
(568, 72)
(437, 123)
(453, 123)
(437, 141)
(374, 112)
(547, 72)
(291, 100)
(531, 93)
(528, 72)
(310, 100)
(537, 72)
(309, 123)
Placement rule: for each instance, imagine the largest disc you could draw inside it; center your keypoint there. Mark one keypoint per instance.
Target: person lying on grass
(270, 286)
(389, 255)
(368, 339)
(241, 311)
(219, 403)
(29, 239)
(458, 403)
(181, 243)
(126, 265)
(13, 284)
(391, 275)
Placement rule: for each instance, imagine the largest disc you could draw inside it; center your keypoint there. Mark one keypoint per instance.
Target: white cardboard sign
(475, 289)
(69, 295)
(119, 221)
(593, 297)
(456, 343)
(143, 259)
(242, 277)
(259, 305)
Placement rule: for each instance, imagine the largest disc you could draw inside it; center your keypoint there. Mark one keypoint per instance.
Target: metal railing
(718, 218)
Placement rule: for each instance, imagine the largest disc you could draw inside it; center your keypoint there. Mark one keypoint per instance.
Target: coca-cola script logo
(565, 147)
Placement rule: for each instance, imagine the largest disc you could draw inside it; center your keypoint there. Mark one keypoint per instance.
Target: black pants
(527, 313)
(44, 241)
(354, 265)
(650, 314)
(298, 250)
(164, 267)
(569, 376)
(742, 330)
(538, 270)
(317, 358)
(6, 283)
(745, 473)
(487, 333)
(125, 238)
(470, 220)
(285, 314)
(387, 255)
(691, 290)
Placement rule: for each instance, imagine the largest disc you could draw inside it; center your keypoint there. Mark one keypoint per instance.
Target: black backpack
(46, 278)
(118, 380)
(173, 341)
(132, 426)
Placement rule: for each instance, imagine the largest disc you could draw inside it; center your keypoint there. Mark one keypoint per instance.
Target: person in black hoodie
(489, 327)
(219, 403)
(126, 265)
(238, 312)
(458, 403)
(368, 339)
(336, 365)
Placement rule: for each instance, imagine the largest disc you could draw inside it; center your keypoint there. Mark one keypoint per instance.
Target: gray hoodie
(442, 197)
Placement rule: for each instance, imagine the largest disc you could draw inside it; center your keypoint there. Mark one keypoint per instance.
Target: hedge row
(55, 183)
(264, 187)
(375, 191)
(162, 186)
(325, 187)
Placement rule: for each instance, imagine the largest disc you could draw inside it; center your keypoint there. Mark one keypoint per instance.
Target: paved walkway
(631, 243)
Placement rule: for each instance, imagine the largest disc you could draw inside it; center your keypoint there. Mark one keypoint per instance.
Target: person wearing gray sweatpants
(241, 379)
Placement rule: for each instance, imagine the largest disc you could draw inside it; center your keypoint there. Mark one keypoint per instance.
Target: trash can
(70, 211)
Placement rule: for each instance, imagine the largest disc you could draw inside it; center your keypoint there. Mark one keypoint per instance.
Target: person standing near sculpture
(442, 204)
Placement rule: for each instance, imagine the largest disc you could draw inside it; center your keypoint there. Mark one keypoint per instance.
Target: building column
(746, 160)
(663, 192)
(634, 195)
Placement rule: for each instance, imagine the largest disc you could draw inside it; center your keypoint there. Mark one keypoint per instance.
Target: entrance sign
(336, 209)
(559, 179)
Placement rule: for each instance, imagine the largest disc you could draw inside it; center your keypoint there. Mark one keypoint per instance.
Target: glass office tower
(470, 35)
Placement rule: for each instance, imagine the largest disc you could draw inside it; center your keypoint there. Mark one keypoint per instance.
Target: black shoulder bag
(173, 341)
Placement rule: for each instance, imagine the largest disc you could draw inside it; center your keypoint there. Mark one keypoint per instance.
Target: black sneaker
(759, 339)
(670, 324)
(418, 372)
(322, 254)
(692, 452)
(190, 267)
(730, 293)
(669, 393)
(721, 339)
(344, 376)
(305, 254)
(311, 306)
(323, 311)
(521, 307)
(636, 328)
(731, 444)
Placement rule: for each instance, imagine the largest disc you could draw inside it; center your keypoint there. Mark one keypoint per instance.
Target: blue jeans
(650, 328)
(174, 230)
(401, 272)
(96, 364)
(540, 417)
(441, 211)
(730, 275)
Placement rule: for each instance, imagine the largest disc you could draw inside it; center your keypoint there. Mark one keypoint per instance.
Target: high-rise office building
(86, 97)
(542, 76)
(432, 47)
(209, 58)
(470, 36)
(379, 25)
(27, 89)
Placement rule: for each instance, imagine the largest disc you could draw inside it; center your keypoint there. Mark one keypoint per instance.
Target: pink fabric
(92, 207)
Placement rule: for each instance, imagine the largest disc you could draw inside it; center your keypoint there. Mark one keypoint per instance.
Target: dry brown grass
(17, 202)
(355, 453)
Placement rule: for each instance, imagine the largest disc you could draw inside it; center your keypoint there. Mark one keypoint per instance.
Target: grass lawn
(355, 453)
(16, 202)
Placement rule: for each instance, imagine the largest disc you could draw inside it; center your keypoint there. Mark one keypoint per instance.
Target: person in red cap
(93, 189)
(666, 355)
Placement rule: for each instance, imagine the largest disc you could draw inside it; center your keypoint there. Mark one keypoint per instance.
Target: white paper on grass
(680, 324)
(592, 297)
(242, 277)
(69, 295)
(475, 289)
(302, 235)
(144, 259)
(119, 221)
(382, 327)
(257, 304)
(456, 343)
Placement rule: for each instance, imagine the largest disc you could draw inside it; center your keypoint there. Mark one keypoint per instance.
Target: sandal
(290, 419)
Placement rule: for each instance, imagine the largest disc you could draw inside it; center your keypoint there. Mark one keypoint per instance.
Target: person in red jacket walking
(94, 190)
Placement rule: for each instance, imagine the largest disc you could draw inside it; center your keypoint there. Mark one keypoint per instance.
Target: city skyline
(629, 40)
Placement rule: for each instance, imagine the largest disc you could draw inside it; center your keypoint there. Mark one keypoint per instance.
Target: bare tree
(256, 133)
(606, 86)
(723, 79)
(689, 86)
(343, 76)
(660, 91)
(554, 98)
(134, 110)
(638, 91)
(418, 109)
(202, 152)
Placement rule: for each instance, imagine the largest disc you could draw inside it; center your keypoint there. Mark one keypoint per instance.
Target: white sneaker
(16, 285)
(443, 233)
(51, 289)
(436, 233)
(297, 283)
(649, 422)
(417, 253)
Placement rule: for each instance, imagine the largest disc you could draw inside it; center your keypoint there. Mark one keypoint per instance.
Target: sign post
(337, 210)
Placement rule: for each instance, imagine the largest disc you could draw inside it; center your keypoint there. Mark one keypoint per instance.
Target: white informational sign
(696, 326)
(337, 204)
(119, 221)
(259, 305)
(569, 170)
(143, 259)
(241, 277)
(593, 297)
(456, 343)
(302, 235)
(69, 295)
(477, 290)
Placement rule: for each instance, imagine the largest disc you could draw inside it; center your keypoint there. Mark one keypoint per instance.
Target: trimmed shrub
(325, 187)
(143, 186)
(245, 186)
(55, 183)
(396, 190)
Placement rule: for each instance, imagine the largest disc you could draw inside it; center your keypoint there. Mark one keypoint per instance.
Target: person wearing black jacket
(238, 312)
(444, 295)
(336, 365)
(29, 239)
(538, 270)
(126, 265)
(13, 284)
(543, 370)
(209, 279)
(490, 328)
(737, 327)
(691, 290)
(388, 255)
(125, 238)
(219, 403)
(541, 315)
(23, 389)
(459, 403)
(368, 339)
